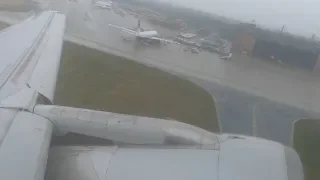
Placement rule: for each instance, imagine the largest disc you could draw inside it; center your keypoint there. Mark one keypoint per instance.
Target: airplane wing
(30, 50)
(164, 40)
(129, 31)
(30, 56)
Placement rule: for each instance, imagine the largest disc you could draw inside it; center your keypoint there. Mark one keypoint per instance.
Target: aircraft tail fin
(139, 26)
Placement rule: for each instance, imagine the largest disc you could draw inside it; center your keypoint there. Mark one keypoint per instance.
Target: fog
(298, 16)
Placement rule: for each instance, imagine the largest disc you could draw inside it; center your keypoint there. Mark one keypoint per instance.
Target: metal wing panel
(143, 163)
(26, 46)
(15, 61)
(252, 159)
(163, 164)
(75, 163)
(6, 118)
(44, 76)
(24, 150)
(15, 44)
(20, 100)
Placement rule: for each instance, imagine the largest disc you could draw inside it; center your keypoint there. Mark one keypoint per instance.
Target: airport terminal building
(277, 46)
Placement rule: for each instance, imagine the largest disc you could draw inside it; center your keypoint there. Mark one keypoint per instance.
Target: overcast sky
(299, 16)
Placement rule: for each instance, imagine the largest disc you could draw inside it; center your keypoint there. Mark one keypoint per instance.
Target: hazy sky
(299, 16)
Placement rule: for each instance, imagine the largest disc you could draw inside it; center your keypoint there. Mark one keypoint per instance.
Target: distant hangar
(277, 46)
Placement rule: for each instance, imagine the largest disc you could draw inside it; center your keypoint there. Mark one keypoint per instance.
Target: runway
(252, 96)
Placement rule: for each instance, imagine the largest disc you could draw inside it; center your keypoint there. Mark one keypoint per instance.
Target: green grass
(306, 140)
(92, 79)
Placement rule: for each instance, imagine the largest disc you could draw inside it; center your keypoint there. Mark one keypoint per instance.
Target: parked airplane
(140, 34)
(144, 148)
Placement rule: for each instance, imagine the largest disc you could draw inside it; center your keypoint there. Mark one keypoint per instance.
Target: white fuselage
(147, 34)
